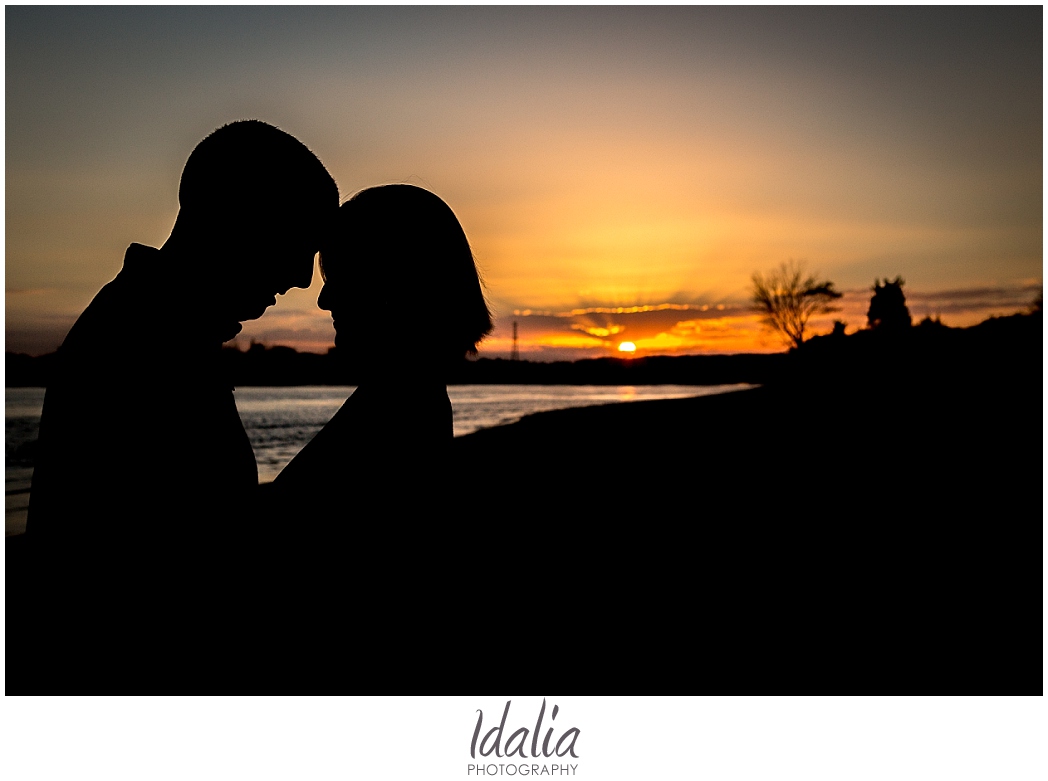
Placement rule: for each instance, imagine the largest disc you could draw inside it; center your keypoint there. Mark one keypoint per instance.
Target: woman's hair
(402, 254)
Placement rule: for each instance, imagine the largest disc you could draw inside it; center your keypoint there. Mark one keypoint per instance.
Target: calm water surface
(279, 421)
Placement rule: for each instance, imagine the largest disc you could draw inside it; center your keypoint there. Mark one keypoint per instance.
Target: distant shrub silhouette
(888, 309)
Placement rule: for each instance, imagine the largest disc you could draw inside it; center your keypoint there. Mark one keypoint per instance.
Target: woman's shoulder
(392, 411)
(378, 438)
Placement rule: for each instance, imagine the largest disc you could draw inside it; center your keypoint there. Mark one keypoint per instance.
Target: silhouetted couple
(145, 487)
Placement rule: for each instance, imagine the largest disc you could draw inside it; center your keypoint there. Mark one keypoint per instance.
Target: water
(21, 425)
(279, 421)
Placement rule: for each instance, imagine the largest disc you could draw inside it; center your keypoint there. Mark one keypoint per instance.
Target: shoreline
(17, 501)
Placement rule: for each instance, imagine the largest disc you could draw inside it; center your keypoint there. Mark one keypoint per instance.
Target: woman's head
(400, 273)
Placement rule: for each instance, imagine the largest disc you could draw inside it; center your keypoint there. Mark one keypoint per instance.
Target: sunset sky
(621, 172)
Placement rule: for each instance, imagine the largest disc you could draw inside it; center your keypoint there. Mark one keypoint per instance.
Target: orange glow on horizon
(715, 327)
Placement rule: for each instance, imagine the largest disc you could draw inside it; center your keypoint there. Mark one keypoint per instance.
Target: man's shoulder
(123, 297)
(119, 322)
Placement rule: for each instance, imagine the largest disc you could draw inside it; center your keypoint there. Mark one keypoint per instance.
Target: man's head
(254, 207)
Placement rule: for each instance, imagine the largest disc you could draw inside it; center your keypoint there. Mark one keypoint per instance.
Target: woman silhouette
(403, 290)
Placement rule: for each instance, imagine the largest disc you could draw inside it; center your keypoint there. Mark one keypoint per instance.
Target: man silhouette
(142, 456)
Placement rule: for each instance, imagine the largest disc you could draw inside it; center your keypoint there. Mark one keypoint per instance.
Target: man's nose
(324, 299)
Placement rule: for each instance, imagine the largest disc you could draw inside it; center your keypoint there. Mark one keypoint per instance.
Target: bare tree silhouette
(788, 298)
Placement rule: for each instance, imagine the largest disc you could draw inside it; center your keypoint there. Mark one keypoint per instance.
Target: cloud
(975, 299)
(959, 307)
(600, 333)
(669, 328)
(675, 328)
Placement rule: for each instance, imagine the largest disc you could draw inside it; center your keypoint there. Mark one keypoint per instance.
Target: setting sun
(627, 347)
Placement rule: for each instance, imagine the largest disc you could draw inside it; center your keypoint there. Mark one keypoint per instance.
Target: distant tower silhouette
(515, 355)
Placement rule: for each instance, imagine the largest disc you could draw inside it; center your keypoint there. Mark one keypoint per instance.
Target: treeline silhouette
(284, 366)
(1000, 349)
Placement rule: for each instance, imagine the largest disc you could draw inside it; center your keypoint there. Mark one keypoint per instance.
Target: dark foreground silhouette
(871, 522)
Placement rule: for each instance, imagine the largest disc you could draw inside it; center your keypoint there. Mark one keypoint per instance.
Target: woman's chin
(344, 345)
